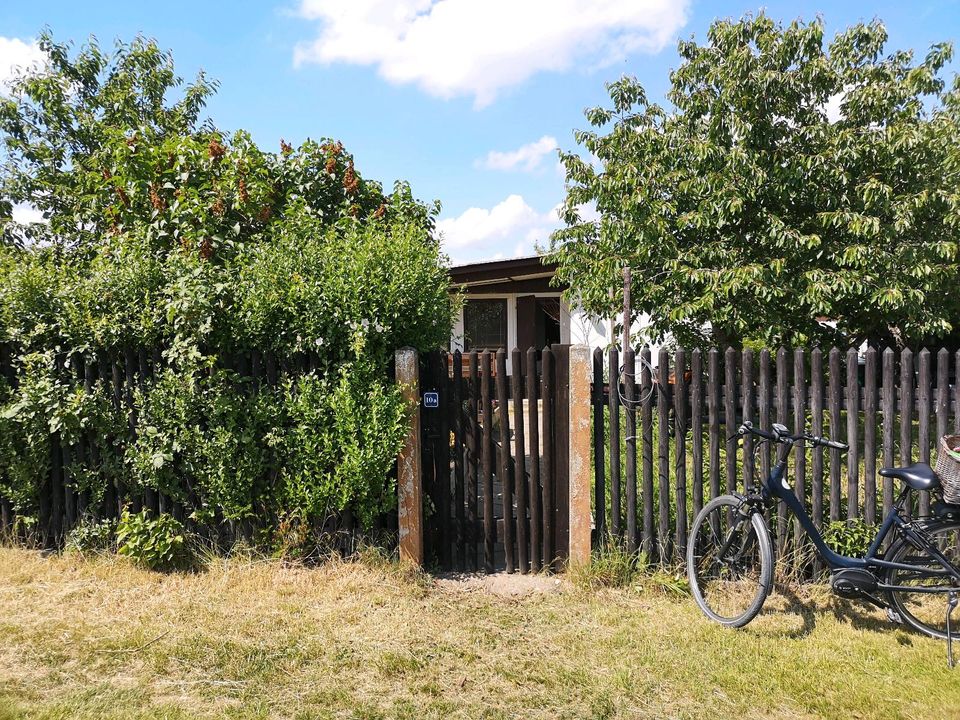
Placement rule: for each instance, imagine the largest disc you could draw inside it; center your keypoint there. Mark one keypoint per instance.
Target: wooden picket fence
(122, 373)
(891, 408)
(494, 463)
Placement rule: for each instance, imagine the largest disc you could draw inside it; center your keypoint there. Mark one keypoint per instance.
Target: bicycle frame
(777, 486)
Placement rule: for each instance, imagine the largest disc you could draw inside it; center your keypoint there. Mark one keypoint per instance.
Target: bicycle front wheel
(730, 561)
(923, 602)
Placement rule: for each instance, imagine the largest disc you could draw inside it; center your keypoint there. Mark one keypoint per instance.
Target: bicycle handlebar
(782, 437)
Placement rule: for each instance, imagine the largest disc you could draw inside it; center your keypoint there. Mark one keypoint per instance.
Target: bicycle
(730, 557)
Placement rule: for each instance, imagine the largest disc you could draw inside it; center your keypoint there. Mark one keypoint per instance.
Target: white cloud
(509, 228)
(526, 158)
(15, 53)
(24, 213)
(833, 108)
(467, 47)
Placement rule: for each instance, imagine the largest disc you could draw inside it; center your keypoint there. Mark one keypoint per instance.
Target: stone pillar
(409, 471)
(580, 456)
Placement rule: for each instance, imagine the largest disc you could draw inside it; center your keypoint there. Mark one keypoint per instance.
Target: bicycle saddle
(919, 476)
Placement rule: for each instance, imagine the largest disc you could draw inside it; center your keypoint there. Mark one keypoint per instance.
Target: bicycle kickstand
(952, 600)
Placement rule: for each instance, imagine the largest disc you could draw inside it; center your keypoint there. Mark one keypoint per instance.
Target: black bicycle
(916, 579)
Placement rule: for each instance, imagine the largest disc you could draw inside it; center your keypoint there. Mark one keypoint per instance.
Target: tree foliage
(748, 211)
(163, 234)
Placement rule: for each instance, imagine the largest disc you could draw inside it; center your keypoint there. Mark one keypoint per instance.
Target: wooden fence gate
(494, 446)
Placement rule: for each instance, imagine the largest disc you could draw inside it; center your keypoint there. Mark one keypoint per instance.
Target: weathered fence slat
(646, 422)
(713, 408)
(458, 461)
(536, 511)
(870, 436)
(473, 475)
(599, 469)
(486, 462)
(800, 452)
(546, 468)
(680, 451)
(889, 417)
(906, 414)
(853, 432)
(630, 430)
(663, 452)
(520, 472)
(834, 401)
(749, 392)
(696, 427)
(613, 401)
(783, 417)
(923, 426)
(505, 469)
(730, 416)
(816, 421)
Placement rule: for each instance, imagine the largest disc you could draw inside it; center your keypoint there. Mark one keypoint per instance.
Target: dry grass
(100, 639)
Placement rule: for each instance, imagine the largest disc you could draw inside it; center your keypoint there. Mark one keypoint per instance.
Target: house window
(484, 324)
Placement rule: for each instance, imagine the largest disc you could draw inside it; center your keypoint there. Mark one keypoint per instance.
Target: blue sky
(463, 98)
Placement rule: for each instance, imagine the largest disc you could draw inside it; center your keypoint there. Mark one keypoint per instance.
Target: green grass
(243, 639)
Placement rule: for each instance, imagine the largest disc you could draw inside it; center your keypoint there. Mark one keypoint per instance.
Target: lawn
(101, 639)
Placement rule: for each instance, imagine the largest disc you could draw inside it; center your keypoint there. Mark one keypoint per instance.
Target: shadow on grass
(859, 615)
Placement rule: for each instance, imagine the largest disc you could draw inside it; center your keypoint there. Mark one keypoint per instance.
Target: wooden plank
(505, 470)
(630, 430)
(923, 429)
(816, 421)
(956, 393)
(459, 493)
(713, 409)
(486, 463)
(680, 453)
(546, 468)
(748, 392)
(763, 407)
(783, 417)
(613, 402)
(906, 416)
(520, 469)
(834, 402)
(473, 468)
(800, 452)
(599, 471)
(696, 427)
(943, 395)
(536, 505)
(870, 436)
(853, 434)
(889, 417)
(646, 431)
(442, 457)
(730, 416)
(663, 453)
(561, 465)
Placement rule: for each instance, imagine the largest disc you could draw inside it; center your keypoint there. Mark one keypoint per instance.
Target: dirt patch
(510, 585)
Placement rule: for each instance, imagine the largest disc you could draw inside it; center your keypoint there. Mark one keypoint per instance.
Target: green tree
(748, 212)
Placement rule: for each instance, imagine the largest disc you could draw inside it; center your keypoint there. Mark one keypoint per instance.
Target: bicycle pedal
(894, 617)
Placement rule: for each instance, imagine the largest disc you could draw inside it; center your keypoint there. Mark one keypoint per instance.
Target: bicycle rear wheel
(730, 561)
(924, 611)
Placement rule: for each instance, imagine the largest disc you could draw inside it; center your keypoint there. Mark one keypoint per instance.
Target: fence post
(409, 470)
(579, 454)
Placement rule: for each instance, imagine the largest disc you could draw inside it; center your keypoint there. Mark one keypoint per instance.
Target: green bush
(92, 536)
(171, 241)
(849, 537)
(157, 543)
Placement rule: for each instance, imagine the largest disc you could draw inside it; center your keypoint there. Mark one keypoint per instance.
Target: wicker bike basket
(948, 467)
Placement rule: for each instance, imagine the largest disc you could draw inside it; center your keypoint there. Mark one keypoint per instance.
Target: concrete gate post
(409, 470)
